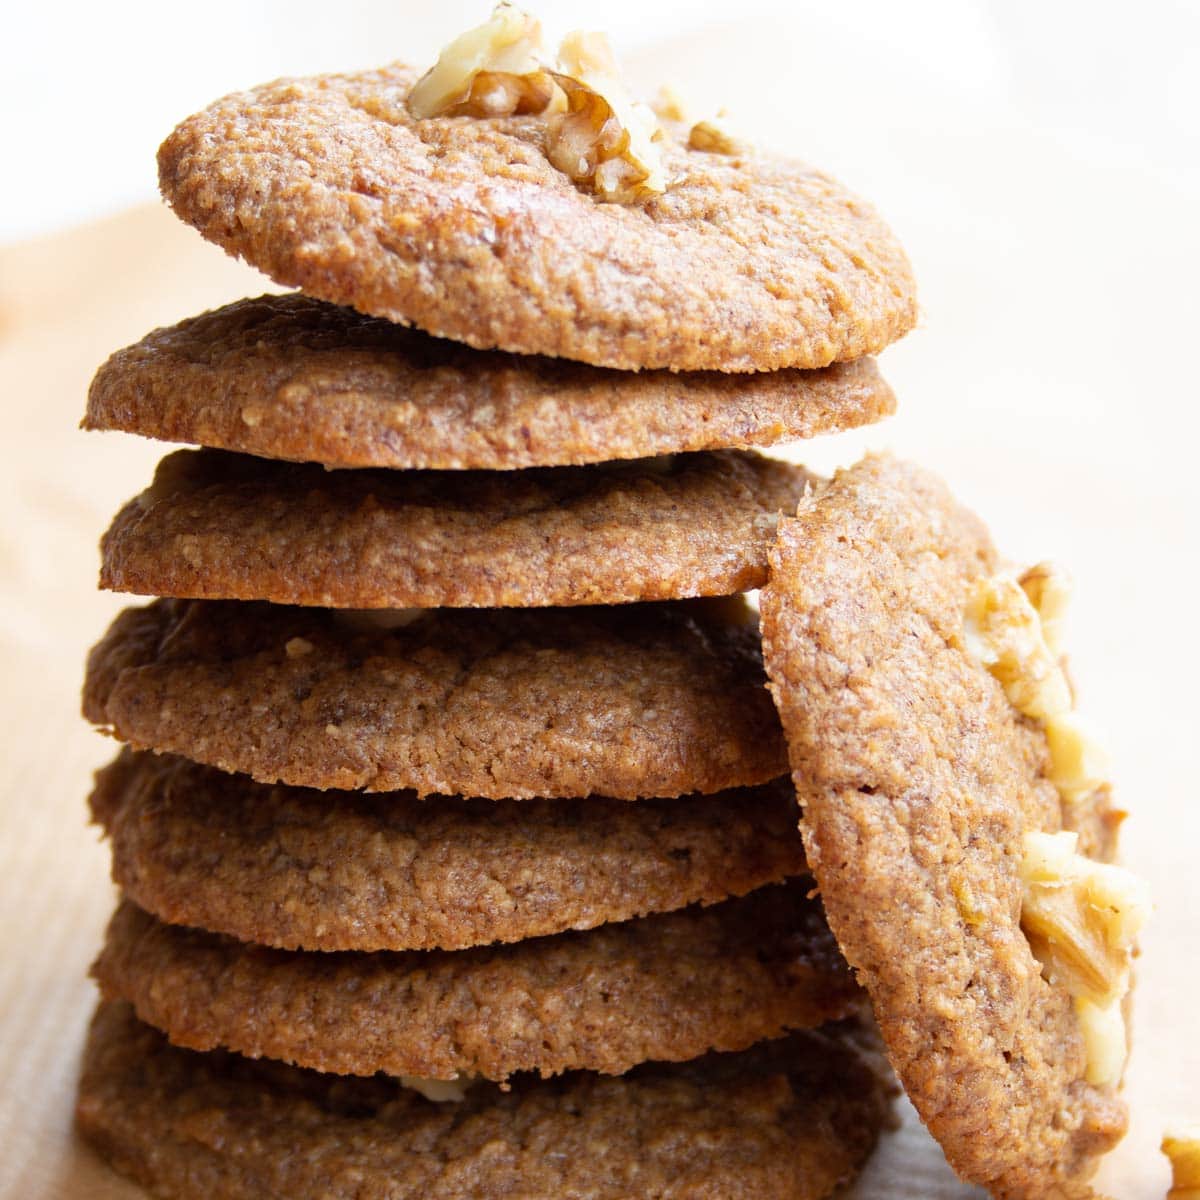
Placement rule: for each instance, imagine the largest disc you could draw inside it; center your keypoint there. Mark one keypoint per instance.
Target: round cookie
(663, 988)
(230, 527)
(462, 227)
(628, 701)
(918, 779)
(310, 870)
(787, 1121)
(294, 378)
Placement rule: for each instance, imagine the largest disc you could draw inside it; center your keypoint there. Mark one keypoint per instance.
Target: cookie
(462, 227)
(345, 871)
(291, 377)
(918, 779)
(630, 701)
(664, 988)
(787, 1121)
(227, 526)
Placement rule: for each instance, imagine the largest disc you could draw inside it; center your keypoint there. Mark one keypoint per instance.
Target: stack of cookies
(458, 852)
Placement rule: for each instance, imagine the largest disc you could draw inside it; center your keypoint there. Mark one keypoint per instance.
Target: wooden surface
(1050, 383)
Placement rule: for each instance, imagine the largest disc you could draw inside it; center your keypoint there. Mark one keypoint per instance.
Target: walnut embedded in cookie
(898, 656)
(585, 234)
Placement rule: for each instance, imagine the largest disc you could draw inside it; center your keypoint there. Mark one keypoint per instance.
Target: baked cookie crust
(918, 778)
(462, 227)
(299, 869)
(627, 701)
(224, 526)
(787, 1121)
(664, 988)
(291, 377)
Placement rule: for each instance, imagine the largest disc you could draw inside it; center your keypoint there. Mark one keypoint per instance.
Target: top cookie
(463, 227)
(291, 377)
(919, 780)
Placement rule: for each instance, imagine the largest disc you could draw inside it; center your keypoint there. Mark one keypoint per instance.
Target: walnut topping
(1048, 587)
(1182, 1147)
(1082, 919)
(1014, 627)
(490, 71)
(440, 1091)
(1079, 764)
(606, 138)
(598, 135)
(1004, 632)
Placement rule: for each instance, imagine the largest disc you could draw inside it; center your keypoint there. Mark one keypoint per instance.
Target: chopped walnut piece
(598, 134)
(440, 1091)
(1082, 919)
(605, 139)
(669, 105)
(372, 620)
(1079, 764)
(1048, 587)
(1182, 1147)
(1004, 632)
(490, 71)
(714, 137)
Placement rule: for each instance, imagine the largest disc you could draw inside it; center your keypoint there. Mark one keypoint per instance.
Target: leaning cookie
(663, 988)
(938, 761)
(293, 378)
(788, 1121)
(299, 869)
(231, 527)
(626, 701)
(464, 227)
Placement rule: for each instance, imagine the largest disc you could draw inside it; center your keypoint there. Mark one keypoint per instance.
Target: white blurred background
(89, 90)
(1041, 162)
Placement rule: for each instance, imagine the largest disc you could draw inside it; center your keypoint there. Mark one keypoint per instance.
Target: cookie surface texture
(290, 377)
(918, 780)
(664, 988)
(789, 1121)
(462, 227)
(309, 870)
(628, 701)
(232, 527)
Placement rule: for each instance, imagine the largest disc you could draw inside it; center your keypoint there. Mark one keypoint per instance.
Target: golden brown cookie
(918, 779)
(462, 227)
(291, 377)
(629, 701)
(787, 1121)
(310, 870)
(664, 988)
(231, 527)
